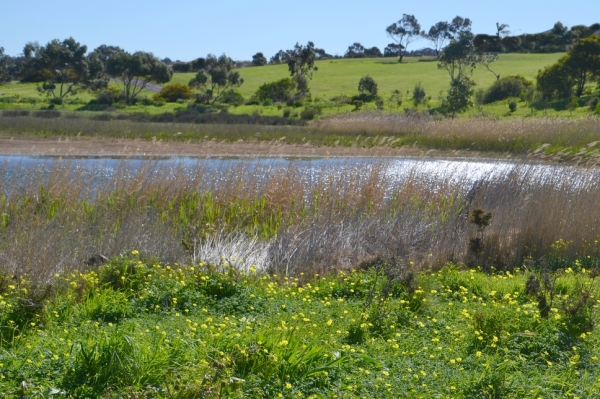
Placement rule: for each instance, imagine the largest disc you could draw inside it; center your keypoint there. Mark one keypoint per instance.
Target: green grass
(135, 328)
(341, 76)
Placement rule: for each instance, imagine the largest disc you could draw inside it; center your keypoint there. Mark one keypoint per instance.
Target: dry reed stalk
(56, 220)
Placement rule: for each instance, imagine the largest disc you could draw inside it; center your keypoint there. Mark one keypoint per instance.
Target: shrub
(278, 91)
(310, 113)
(593, 103)
(173, 92)
(418, 94)
(367, 87)
(512, 106)
(232, 97)
(108, 96)
(287, 112)
(510, 86)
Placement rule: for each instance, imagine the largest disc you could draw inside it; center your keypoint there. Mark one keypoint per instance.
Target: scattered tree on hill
(6, 66)
(301, 64)
(367, 88)
(459, 27)
(280, 57)
(438, 36)
(216, 77)
(459, 58)
(98, 62)
(356, 50)
(321, 54)
(61, 66)
(259, 59)
(404, 32)
(373, 52)
(487, 43)
(392, 50)
(573, 71)
(134, 71)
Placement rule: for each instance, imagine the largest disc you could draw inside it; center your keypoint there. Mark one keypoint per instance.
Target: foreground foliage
(135, 328)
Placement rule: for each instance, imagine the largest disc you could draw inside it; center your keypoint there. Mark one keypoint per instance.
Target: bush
(232, 97)
(173, 92)
(368, 87)
(512, 106)
(593, 103)
(108, 96)
(310, 113)
(278, 91)
(418, 94)
(56, 101)
(510, 86)
(287, 112)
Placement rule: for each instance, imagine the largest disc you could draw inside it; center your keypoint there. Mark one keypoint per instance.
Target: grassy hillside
(336, 77)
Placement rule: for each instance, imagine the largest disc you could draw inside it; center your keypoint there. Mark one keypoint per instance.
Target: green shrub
(510, 86)
(232, 97)
(310, 113)
(278, 91)
(56, 101)
(512, 106)
(418, 94)
(173, 92)
(368, 88)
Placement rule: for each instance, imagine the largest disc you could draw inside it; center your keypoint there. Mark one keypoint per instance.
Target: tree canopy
(134, 71)
(301, 64)
(6, 66)
(216, 77)
(404, 32)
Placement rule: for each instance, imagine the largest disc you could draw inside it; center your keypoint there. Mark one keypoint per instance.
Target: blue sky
(187, 29)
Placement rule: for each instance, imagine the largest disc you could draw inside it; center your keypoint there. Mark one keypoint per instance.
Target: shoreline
(132, 148)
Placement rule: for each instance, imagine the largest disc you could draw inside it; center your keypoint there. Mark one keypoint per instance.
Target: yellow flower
(135, 252)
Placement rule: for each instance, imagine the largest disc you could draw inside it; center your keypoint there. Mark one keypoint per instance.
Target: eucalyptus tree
(134, 71)
(216, 76)
(404, 32)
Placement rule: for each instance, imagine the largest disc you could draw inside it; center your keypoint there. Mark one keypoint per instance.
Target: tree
(6, 67)
(356, 50)
(392, 50)
(459, 57)
(486, 59)
(573, 71)
(216, 77)
(280, 57)
(373, 52)
(501, 30)
(259, 59)
(459, 96)
(554, 82)
(301, 64)
(459, 27)
(61, 66)
(583, 62)
(367, 88)
(97, 63)
(487, 43)
(438, 36)
(134, 71)
(404, 32)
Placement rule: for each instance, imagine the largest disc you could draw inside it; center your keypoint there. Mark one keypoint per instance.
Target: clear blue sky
(187, 29)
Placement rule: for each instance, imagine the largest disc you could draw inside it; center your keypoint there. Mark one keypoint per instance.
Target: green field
(341, 76)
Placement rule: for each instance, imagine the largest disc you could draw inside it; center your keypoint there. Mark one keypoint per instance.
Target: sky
(188, 29)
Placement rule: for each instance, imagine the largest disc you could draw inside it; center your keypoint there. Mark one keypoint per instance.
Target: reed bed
(564, 136)
(518, 135)
(279, 221)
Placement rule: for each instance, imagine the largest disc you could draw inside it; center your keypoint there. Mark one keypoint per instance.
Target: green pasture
(341, 76)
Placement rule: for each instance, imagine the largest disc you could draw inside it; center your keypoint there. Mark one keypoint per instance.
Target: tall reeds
(286, 220)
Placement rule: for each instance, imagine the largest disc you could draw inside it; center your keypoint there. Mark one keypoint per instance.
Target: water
(24, 171)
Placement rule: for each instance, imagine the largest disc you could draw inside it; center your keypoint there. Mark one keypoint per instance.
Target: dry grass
(286, 223)
(517, 135)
